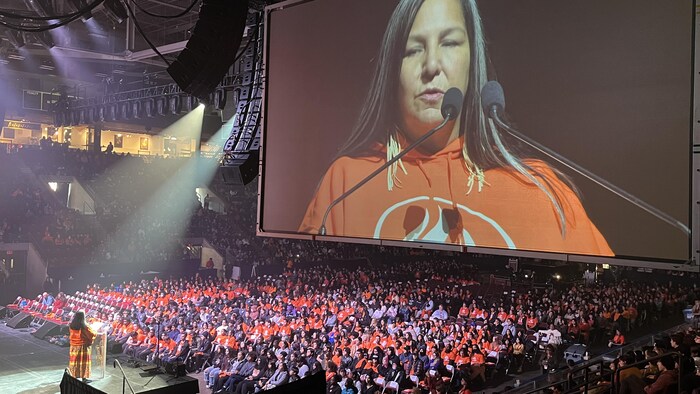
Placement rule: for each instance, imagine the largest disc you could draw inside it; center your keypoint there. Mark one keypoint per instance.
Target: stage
(29, 365)
(140, 382)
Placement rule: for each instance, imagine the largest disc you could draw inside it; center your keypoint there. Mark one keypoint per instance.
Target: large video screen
(605, 85)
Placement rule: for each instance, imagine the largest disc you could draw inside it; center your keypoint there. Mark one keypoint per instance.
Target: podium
(98, 353)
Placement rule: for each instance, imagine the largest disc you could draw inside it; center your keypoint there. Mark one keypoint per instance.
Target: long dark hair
(78, 321)
(486, 147)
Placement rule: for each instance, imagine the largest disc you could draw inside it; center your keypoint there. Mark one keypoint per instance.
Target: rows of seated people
(670, 365)
(370, 327)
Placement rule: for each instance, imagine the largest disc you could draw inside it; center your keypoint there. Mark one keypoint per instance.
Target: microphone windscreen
(451, 103)
(492, 95)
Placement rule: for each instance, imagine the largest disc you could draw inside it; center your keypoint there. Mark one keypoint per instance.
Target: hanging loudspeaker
(212, 47)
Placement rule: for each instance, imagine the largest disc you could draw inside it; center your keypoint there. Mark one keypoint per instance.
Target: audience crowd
(424, 325)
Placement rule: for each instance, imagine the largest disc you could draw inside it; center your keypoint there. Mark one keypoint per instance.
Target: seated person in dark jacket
(254, 382)
(202, 352)
(217, 382)
(667, 379)
(333, 387)
(243, 371)
(396, 374)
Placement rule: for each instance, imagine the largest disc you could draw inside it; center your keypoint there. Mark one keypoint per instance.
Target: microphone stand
(450, 116)
(493, 113)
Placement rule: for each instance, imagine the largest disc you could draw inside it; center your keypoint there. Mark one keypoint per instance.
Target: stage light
(115, 11)
(81, 5)
(184, 177)
(188, 103)
(175, 105)
(201, 105)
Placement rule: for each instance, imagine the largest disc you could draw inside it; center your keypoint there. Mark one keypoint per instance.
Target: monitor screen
(604, 85)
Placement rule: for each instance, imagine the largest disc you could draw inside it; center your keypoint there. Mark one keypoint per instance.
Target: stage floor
(29, 365)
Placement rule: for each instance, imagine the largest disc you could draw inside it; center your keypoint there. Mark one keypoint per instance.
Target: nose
(431, 63)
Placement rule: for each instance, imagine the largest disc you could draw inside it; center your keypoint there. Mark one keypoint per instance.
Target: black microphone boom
(451, 106)
(493, 102)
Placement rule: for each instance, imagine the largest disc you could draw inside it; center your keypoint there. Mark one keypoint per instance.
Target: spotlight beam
(173, 200)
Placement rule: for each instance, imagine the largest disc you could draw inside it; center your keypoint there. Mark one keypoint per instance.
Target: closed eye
(412, 51)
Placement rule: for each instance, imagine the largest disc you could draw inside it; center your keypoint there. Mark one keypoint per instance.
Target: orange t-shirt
(477, 359)
(432, 201)
(531, 322)
(464, 311)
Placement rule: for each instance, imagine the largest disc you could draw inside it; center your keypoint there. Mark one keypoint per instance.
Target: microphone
(451, 103)
(451, 106)
(492, 95)
(493, 103)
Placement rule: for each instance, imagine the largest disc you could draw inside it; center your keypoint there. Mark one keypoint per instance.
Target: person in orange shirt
(464, 311)
(463, 359)
(532, 321)
(81, 337)
(165, 347)
(465, 184)
(477, 360)
(133, 343)
(617, 340)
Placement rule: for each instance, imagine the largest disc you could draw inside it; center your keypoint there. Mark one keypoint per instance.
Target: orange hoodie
(430, 203)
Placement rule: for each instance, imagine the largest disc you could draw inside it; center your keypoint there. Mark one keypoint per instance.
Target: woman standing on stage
(81, 337)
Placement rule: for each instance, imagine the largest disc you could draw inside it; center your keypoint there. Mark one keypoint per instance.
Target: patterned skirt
(79, 364)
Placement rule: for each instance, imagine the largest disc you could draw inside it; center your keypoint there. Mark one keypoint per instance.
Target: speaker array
(212, 48)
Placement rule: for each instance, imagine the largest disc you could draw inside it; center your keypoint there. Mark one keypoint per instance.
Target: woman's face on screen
(435, 59)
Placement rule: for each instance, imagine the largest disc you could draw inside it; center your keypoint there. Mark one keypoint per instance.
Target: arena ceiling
(109, 52)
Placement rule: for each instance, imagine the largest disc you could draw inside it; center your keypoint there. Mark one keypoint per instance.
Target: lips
(431, 96)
